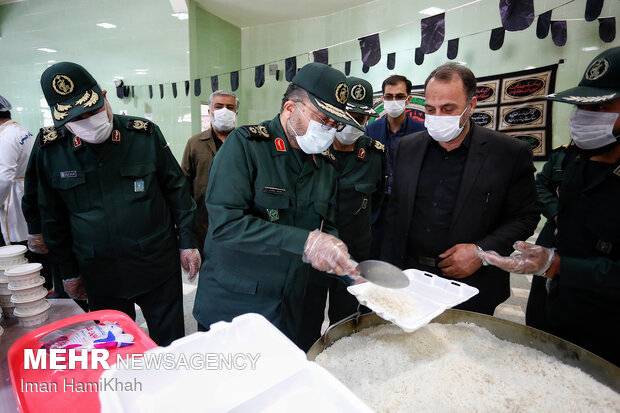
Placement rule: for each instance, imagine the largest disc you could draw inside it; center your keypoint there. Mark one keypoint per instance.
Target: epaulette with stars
(50, 135)
(140, 125)
(376, 145)
(329, 156)
(256, 132)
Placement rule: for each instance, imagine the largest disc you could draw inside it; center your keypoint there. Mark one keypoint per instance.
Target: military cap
(70, 91)
(600, 82)
(327, 89)
(360, 97)
(5, 106)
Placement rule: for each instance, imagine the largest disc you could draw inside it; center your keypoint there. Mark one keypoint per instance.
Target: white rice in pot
(459, 368)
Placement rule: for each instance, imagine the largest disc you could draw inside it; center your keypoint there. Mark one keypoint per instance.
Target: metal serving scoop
(382, 274)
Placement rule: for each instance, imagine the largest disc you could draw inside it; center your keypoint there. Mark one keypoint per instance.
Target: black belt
(428, 261)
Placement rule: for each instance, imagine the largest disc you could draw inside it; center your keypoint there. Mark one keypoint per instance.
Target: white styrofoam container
(12, 255)
(30, 304)
(27, 292)
(282, 371)
(24, 275)
(34, 317)
(430, 294)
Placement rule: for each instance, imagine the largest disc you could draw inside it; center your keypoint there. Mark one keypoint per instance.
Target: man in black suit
(459, 188)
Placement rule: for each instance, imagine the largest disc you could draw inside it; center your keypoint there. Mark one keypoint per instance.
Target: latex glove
(460, 261)
(36, 244)
(74, 287)
(533, 259)
(327, 253)
(190, 261)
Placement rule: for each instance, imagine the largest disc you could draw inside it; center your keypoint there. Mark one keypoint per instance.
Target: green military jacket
(116, 213)
(263, 199)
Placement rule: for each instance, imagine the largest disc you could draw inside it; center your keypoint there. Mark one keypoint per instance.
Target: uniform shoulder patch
(139, 125)
(377, 145)
(49, 135)
(256, 132)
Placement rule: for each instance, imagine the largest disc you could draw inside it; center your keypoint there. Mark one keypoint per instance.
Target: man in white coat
(15, 147)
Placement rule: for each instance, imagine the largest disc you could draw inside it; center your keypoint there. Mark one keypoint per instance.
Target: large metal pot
(568, 353)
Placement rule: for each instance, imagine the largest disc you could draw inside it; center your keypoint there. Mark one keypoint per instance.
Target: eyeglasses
(390, 96)
(339, 126)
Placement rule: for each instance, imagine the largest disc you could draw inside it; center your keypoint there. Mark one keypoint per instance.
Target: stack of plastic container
(28, 294)
(10, 256)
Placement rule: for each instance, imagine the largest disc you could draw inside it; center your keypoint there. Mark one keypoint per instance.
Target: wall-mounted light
(45, 49)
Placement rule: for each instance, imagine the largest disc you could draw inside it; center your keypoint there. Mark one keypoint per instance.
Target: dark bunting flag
(419, 56)
(433, 32)
(320, 56)
(607, 29)
(196, 87)
(120, 91)
(234, 80)
(126, 91)
(371, 49)
(516, 14)
(391, 61)
(259, 75)
(132, 92)
(150, 92)
(161, 91)
(593, 9)
(174, 90)
(558, 32)
(497, 38)
(365, 68)
(290, 67)
(542, 27)
(347, 68)
(214, 83)
(187, 88)
(453, 48)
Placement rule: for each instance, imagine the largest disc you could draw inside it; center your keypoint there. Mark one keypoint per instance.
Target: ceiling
(244, 13)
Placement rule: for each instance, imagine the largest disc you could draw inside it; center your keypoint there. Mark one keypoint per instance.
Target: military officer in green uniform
(361, 165)
(584, 291)
(270, 201)
(116, 211)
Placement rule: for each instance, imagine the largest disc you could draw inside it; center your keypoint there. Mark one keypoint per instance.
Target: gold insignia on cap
(63, 108)
(342, 93)
(597, 69)
(332, 109)
(140, 124)
(62, 84)
(263, 131)
(83, 99)
(60, 115)
(94, 98)
(358, 92)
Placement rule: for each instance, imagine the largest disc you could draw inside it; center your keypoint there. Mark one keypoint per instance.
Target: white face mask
(349, 135)
(317, 138)
(224, 120)
(592, 130)
(95, 129)
(394, 108)
(444, 128)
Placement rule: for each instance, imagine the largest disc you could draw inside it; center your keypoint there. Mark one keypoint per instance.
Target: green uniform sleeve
(55, 222)
(30, 201)
(175, 188)
(229, 199)
(596, 275)
(546, 185)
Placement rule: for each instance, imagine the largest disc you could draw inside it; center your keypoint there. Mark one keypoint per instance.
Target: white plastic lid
(42, 294)
(23, 269)
(32, 313)
(12, 250)
(39, 283)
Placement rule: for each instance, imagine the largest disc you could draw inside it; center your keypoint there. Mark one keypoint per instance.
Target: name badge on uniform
(68, 174)
(273, 215)
(138, 185)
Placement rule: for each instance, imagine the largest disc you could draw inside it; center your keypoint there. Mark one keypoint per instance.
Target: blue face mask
(317, 138)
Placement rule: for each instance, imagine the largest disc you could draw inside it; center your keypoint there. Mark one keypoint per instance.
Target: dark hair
(5, 115)
(295, 93)
(395, 80)
(448, 71)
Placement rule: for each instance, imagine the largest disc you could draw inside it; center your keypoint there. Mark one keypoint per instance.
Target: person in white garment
(15, 147)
